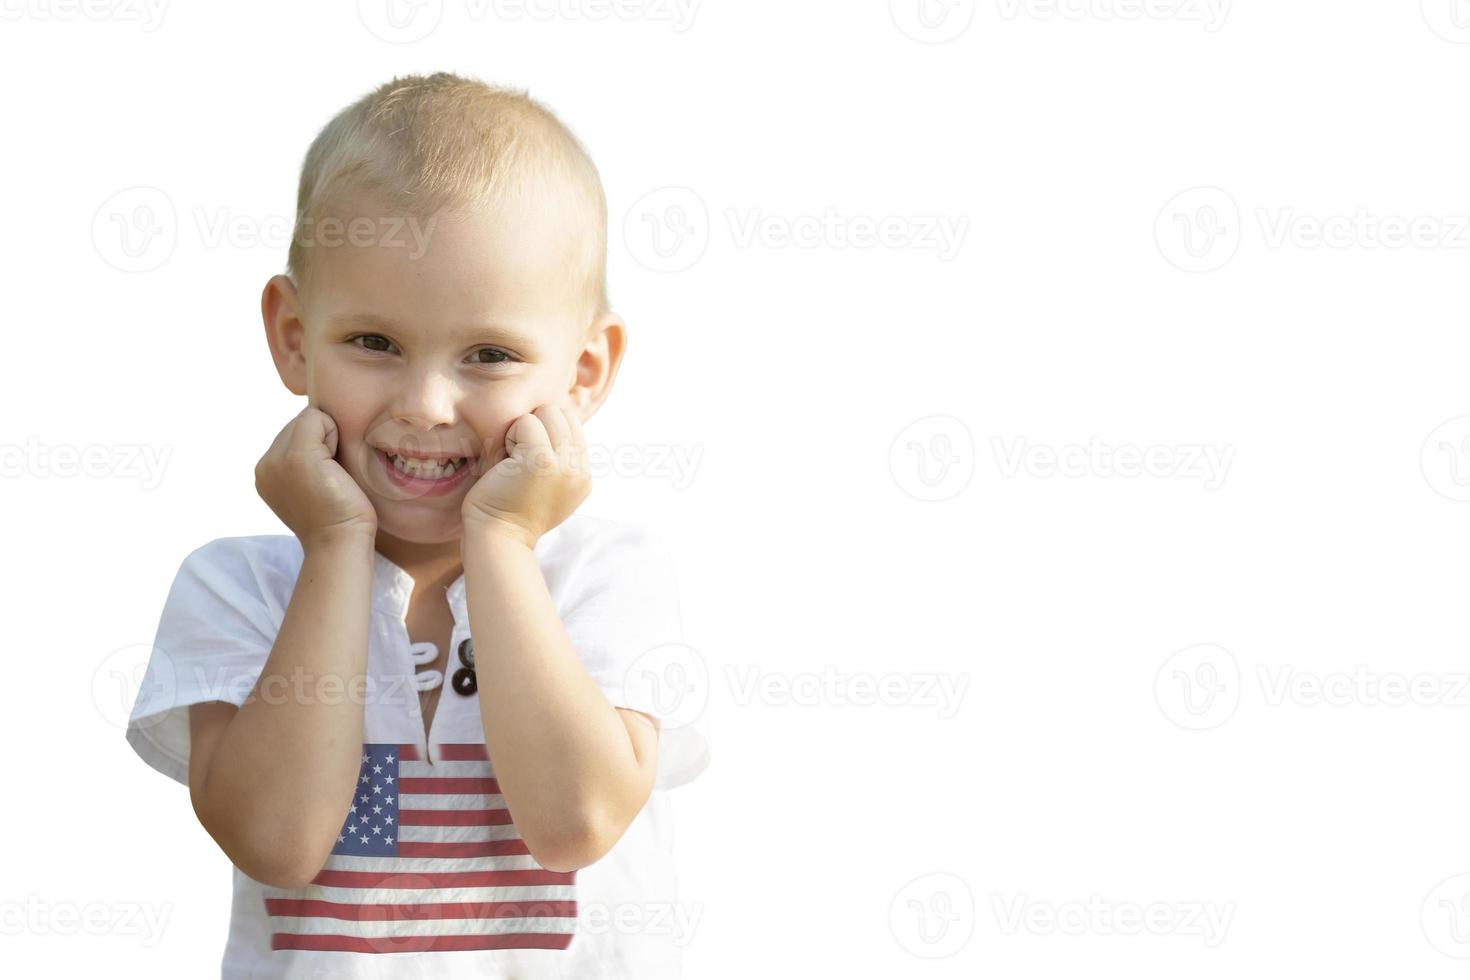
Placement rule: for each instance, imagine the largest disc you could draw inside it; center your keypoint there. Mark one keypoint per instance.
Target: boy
(297, 683)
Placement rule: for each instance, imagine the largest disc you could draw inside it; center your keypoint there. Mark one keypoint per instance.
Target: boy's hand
(299, 478)
(542, 480)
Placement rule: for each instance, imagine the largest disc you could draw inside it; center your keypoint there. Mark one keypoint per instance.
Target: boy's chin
(421, 527)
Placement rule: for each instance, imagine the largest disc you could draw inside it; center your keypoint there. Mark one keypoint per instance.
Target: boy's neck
(433, 565)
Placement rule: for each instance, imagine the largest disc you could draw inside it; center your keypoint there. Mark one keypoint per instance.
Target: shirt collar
(393, 587)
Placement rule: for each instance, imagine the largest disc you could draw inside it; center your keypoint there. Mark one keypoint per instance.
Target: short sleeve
(623, 618)
(215, 633)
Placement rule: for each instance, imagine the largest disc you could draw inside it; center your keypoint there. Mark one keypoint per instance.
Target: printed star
(364, 840)
(377, 830)
(377, 809)
(364, 777)
(377, 768)
(389, 759)
(352, 829)
(340, 838)
(363, 797)
(388, 819)
(388, 839)
(365, 760)
(387, 799)
(377, 789)
(388, 778)
(353, 808)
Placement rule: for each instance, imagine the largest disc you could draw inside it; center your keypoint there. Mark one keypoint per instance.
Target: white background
(1182, 225)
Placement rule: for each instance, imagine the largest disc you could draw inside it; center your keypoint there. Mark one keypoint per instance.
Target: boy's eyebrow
(491, 332)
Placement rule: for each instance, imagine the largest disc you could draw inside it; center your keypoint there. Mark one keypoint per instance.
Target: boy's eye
(371, 336)
(500, 356)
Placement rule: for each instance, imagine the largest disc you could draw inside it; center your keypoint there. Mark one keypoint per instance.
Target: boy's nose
(427, 401)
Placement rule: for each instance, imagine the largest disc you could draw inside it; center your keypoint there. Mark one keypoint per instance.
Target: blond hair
(443, 142)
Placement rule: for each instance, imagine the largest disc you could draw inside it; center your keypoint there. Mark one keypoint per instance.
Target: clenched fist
(300, 479)
(543, 479)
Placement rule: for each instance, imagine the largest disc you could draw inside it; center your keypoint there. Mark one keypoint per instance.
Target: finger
(577, 440)
(527, 431)
(574, 424)
(283, 438)
(316, 428)
(557, 429)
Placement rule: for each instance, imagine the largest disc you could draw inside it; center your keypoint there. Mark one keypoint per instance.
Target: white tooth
(425, 469)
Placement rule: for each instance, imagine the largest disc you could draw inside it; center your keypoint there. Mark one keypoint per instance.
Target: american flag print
(427, 860)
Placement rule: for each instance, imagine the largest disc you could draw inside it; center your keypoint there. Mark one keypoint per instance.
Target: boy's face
(438, 342)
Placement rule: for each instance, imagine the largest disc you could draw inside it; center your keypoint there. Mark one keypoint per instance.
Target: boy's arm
(277, 781)
(573, 769)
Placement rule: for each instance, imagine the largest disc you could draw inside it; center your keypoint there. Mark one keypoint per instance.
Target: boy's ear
(597, 364)
(280, 307)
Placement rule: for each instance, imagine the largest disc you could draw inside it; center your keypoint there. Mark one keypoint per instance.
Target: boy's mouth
(430, 474)
(427, 469)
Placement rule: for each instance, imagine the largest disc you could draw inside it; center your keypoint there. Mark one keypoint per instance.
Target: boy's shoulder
(251, 549)
(265, 562)
(586, 539)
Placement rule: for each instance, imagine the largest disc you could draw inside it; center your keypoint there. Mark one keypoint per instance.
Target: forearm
(561, 754)
(282, 776)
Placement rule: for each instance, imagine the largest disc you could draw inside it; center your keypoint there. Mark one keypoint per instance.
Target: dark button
(464, 682)
(467, 653)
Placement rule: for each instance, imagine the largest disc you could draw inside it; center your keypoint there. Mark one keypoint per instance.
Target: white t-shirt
(453, 892)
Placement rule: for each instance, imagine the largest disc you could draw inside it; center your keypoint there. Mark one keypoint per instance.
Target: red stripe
(463, 752)
(448, 752)
(453, 818)
(442, 879)
(447, 784)
(441, 910)
(422, 944)
(462, 849)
